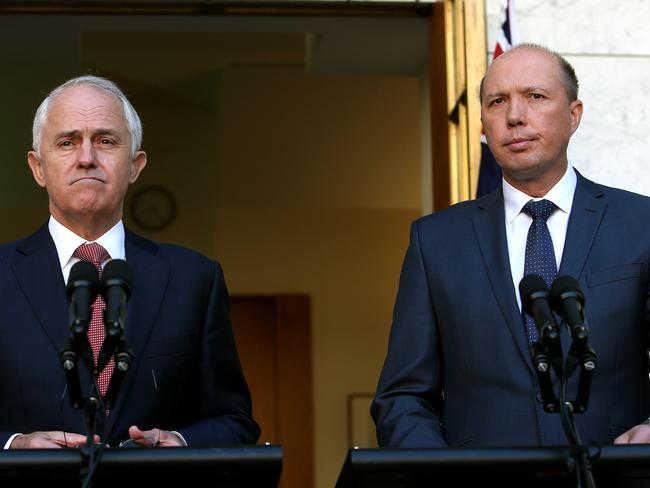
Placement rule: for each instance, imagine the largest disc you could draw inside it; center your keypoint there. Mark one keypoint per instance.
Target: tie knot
(541, 209)
(92, 252)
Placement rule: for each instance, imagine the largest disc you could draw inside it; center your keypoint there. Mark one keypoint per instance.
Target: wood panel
(274, 344)
(457, 60)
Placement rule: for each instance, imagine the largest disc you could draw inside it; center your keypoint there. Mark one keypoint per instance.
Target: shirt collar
(561, 195)
(67, 241)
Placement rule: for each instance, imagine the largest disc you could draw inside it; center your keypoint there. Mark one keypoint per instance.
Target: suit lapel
(587, 212)
(489, 226)
(41, 280)
(150, 277)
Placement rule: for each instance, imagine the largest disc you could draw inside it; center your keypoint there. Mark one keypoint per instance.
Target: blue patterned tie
(540, 256)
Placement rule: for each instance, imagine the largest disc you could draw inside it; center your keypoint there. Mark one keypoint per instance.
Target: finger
(639, 436)
(60, 439)
(67, 439)
(152, 437)
(145, 437)
(80, 440)
(135, 433)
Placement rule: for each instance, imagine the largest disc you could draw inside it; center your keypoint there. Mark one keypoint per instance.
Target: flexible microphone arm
(123, 363)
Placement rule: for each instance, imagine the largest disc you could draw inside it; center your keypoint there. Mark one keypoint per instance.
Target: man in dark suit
(458, 371)
(186, 385)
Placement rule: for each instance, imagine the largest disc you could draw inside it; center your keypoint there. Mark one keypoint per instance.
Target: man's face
(528, 118)
(85, 160)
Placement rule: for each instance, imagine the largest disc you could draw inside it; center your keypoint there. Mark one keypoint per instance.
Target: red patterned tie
(96, 254)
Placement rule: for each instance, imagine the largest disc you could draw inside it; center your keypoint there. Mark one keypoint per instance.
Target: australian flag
(489, 176)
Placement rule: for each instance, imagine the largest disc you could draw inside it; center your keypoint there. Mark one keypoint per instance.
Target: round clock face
(153, 207)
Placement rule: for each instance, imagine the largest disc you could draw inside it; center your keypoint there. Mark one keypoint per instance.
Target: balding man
(185, 386)
(458, 371)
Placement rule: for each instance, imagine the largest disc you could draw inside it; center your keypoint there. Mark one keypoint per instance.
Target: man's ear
(137, 165)
(576, 109)
(36, 165)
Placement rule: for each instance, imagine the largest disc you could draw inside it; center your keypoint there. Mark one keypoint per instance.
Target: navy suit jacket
(186, 374)
(458, 370)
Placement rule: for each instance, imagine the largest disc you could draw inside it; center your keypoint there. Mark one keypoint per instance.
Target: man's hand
(639, 434)
(49, 440)
(155, 437)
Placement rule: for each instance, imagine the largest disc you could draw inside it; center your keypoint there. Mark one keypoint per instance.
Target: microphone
(568, 301)
(83, 286)
(117, 280)
(82, 289)
(535, 302)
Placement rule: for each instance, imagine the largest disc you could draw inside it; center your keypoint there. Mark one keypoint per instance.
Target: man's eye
(496, 101)
(536, 96)
(106, 141)
(65, 143)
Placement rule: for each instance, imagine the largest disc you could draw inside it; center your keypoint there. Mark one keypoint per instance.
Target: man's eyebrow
(102, 132)
(496, 94)
(532, 88)
(525, 89)
(69, 133)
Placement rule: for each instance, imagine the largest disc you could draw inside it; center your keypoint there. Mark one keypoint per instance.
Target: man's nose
(86, 153)
(516, 112)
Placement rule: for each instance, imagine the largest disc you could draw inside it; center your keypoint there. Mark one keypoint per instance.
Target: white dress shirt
(518, 222)
(67, 242)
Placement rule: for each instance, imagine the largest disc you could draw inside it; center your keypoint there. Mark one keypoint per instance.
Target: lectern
(228, 467)
(536, 467)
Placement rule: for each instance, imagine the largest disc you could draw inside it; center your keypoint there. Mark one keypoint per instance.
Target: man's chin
(525, 170)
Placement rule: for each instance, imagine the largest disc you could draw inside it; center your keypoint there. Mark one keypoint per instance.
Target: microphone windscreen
(118, 271)
(83, 273)
(530, 288)
(566, 284)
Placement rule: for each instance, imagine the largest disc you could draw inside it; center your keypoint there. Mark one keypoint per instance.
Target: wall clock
(153, 207)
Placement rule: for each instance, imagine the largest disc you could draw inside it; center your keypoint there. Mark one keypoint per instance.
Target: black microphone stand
(78, 346)
(94, 404)
(580, 354)
(116, 289)
(90, 452)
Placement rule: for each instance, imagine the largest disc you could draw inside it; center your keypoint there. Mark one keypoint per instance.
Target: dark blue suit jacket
(186, 374)
(458, 370)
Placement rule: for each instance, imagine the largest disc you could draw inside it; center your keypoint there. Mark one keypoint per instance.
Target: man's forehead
(85, 103)
(523, 54)
(523, 67)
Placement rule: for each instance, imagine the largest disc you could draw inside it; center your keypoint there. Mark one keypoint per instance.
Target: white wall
(608, 44)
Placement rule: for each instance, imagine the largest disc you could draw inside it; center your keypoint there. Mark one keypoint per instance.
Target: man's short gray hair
(132, 118)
